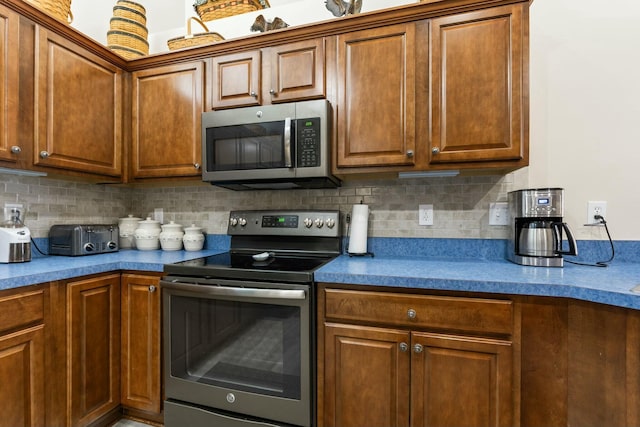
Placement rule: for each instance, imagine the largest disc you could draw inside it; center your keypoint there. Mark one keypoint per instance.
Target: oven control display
(280, 221)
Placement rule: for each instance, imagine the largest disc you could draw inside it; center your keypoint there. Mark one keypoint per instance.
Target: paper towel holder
(349, 219)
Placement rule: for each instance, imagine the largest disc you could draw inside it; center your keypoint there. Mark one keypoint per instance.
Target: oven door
(239, 347)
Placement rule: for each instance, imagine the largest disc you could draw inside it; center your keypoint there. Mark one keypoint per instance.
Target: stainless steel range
(239, 328)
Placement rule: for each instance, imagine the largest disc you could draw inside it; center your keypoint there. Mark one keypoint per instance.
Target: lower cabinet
(412, 360)
(22, 361)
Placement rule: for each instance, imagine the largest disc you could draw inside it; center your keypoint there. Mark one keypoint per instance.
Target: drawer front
(21, 309)
(472, 315)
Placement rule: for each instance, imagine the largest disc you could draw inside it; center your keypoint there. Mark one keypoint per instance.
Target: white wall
(585, 108)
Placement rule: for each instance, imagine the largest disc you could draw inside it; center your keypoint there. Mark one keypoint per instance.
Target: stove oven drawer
(180, 414)
(469, 315)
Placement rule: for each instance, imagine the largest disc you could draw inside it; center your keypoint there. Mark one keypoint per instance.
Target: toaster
(83, 239)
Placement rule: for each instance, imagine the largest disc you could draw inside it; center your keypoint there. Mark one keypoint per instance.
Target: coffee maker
(15, 240)
(536, 232)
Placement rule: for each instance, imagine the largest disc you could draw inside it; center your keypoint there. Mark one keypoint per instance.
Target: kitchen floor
(129, 423)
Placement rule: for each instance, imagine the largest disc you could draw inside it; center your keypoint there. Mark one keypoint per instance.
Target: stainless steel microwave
(279, 146)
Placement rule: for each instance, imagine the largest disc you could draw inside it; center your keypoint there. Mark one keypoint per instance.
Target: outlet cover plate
(499, 213)
(425, 214)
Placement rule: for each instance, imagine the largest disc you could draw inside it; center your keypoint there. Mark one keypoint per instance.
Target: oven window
(238, 345)
(243, 147)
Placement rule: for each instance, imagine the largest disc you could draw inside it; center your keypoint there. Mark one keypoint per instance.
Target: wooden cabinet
(479, 86)
(141, 349)
(376, 97)
(9, 61)
(22, 358)
(290, 72)
(430, 360)
(167, 103)
(78, 106)
(92, 348)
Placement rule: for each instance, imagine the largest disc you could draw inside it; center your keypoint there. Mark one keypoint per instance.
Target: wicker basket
(127, 52)
(208, 10)
(191, 40)
(129, 13)
(132, 5)
(133, 27)
(59, 9)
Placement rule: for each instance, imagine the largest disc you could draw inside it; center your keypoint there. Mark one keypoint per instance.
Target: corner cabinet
(430, 360)
(78, 108)
(479, 86)
(167, 104)
(290, 72)
(9, 70)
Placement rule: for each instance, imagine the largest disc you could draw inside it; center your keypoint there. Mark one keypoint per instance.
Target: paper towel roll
(359, 225)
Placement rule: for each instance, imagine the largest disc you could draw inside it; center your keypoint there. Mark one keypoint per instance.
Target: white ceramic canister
(171, 237)
(147, 235)
(193, 238)
(126, 227)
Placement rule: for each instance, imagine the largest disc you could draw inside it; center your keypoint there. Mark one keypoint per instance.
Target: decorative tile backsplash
(461, 204)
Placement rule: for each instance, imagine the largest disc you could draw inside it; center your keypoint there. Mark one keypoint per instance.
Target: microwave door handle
(287, 143)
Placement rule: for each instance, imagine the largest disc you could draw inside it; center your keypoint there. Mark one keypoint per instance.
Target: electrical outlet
(158, 215)
(425, 214)
(596, 208)
(9, 207)
(499, 213)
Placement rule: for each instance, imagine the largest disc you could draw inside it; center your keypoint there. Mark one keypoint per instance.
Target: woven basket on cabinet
(191, 40)
(209, 10)
(59, 9)
(128, 33)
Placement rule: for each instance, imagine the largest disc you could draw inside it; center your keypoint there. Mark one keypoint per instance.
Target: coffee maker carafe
(536, 232)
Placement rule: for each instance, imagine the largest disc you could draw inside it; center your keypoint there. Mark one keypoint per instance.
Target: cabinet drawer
(474, 315)
(21, 309)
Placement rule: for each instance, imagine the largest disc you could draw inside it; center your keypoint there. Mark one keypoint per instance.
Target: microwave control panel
(308, 142)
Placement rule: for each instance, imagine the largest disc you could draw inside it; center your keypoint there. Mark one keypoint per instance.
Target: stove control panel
(285, 223)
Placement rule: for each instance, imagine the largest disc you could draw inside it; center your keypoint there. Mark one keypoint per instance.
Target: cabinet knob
(410, 153)
(15, 149)
(435, 150)
(411, 313)
(417, 348)
(404, 347)
(272, 91)
(152, 288)
(196, 165)
(253, 94)
(44, 154)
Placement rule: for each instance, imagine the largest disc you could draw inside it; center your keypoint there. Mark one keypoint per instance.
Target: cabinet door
(478, 63)
(296, 71)
(141, 342)
(93, 347)
(78, 105)
(9, 49)
(236, 80)
(166, 134)
(22, 378)
(460, 381)
(366, 374)
(376, 97)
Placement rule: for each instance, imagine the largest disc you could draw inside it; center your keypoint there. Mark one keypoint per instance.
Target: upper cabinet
(78, 108)
(479, 64)
(167, 104)
(9, 51)
(289, 72)
(376, 97)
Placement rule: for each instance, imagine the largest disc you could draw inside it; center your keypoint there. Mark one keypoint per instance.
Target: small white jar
(126, 227)
(147, 235)
(171, 237)
(193, 238)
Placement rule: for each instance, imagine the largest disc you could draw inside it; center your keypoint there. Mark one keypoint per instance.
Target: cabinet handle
(411, 313)
(410, 153)
(404, 347)
(435, 150)
(44, 154)
(196, 165)
(152, 288)
(15, 149)
(417, 348)
(253, 94)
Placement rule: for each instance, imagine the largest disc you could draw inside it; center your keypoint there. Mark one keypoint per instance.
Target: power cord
(602, 221)
(16, 217)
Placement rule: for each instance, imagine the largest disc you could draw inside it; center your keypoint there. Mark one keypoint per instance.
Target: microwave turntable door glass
(249, 146)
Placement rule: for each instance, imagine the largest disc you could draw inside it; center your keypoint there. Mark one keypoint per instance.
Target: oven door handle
(289, 294)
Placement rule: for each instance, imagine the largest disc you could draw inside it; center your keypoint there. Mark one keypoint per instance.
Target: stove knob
(112, 245)
(319, 222)
(242, 222)
(89, 247)
(308, 222)
(233, 221)
(330, 222)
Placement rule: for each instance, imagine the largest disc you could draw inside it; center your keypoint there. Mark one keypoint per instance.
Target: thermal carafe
(15, 240)
(537, 228)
